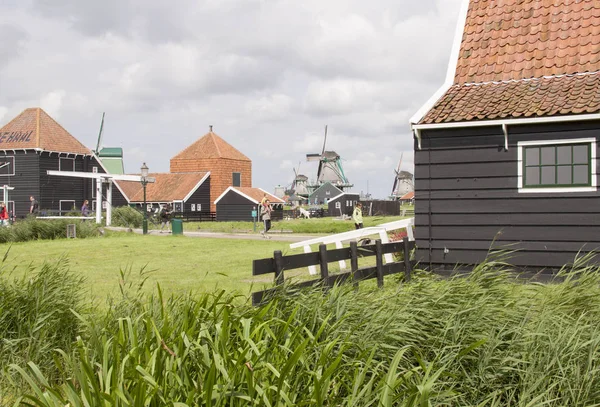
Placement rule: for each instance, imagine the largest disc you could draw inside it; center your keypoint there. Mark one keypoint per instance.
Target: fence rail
(279, 263)
(195, 216)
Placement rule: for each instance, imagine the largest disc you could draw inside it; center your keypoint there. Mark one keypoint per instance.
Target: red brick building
(227, 166)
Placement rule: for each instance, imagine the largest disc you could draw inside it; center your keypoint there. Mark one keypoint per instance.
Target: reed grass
(482, 340)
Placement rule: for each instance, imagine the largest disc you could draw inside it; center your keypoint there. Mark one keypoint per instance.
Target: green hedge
(37, 229)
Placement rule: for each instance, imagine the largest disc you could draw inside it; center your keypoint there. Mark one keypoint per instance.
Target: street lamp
(144, 182)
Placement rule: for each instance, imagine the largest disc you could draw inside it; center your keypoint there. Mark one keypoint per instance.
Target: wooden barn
(228, 167)
(323, 194)
(506, 151)
(237, 204)
(343, 203)
(185, 192)
(33, 143)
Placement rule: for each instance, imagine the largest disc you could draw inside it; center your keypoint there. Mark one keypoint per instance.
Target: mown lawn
(309, 226)
(178, 263)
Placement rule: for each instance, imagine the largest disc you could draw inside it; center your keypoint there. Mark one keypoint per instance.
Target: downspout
(505, 131)
(429, 216)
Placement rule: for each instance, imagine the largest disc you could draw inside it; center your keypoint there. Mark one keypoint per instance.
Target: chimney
(210, 128)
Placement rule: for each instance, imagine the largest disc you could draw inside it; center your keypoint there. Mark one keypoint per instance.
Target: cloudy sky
(267, 74)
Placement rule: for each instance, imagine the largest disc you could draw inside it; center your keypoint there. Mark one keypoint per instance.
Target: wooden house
(342, 204)
(185, 192)
(228, 167)
(238, 203)
(33, 143)
(506, 151)
(323, 194)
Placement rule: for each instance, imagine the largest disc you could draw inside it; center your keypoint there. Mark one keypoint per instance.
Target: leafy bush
(37, 229)
(127, 216)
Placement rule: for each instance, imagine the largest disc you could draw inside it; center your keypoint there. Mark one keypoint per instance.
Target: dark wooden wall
(234, 207)
(200, 196)
(26, 179)
(467, 200)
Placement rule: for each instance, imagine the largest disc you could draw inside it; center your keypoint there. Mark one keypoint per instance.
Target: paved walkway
(280, 237)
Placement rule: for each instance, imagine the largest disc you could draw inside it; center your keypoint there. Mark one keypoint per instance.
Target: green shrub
(38, 229)
(127, 216)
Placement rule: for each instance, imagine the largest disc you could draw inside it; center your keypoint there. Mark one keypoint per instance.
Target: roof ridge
(215, 141)
(527, 79)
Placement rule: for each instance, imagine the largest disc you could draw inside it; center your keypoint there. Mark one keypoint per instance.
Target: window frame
(12, 165)
(591, 187)
(193, 207)
(60, 205)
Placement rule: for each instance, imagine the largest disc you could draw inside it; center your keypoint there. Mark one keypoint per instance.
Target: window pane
(564, 154)
(532, 156)
(532, 176)
(548, 174)
(548, 155)
(564, 175)
(581, 174)
(580, 154)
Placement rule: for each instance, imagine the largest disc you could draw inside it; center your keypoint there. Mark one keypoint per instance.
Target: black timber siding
(347, 205)
(234, 207)
(467, 200)
(200, 196)
(26, 179)
(320, 194)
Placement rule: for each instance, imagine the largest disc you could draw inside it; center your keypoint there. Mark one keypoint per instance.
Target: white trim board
(452, 63)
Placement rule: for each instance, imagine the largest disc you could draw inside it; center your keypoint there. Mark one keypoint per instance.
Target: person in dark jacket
(164, 215)
(265, 213)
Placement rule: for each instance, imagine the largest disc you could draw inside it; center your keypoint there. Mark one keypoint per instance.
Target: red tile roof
(408, 195)
(210, 146)
(34, 128)
(525, 58)
(167, 188)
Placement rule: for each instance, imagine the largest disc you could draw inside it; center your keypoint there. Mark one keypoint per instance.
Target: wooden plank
(407, 264)
(482, 154)
(323, 263)
(278, 260)
(296, 261)
(379, 263)
(530, 219)
(540, 246)
(263, 266)
(511, 233)
(480, 170)
(354, 262)
(500, 181)
(581, 202)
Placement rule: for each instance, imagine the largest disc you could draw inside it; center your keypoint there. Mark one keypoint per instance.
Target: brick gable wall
(221, 170)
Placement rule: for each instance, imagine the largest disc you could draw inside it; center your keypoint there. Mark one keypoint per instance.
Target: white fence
(341, 238)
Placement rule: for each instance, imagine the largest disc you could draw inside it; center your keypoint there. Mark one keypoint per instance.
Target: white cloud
(268, 74)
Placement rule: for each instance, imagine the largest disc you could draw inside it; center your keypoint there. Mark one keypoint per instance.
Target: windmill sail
(99, 143)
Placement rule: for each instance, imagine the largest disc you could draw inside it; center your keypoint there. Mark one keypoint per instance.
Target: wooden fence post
(407, 264)
(324, 265)
(278, 256)
(379, 263)
(354, 262)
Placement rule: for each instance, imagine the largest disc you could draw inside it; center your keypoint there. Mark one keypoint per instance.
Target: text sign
(15, 136)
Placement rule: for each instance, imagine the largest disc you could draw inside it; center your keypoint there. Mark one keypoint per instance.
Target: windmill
(403, 181)
(298, 185)
(111, 157)
(330, 168)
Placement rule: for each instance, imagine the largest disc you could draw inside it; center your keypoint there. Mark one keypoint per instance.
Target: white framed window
(198, 207)
(7, 165)
(148, 207)
(193, 207)
(66, 164)
(557, 166)
(66, 205)
(177, 205)
(338, 205)
(95, 170)
(327, 192)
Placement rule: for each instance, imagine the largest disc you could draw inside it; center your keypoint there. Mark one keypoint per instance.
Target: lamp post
(144, 182)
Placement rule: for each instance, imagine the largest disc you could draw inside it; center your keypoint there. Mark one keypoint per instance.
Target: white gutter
(452, 62)
(504, 123)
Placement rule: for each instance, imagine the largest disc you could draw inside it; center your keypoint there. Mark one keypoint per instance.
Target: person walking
(85, 210)
(357, 216)
(35, 206)
(265, 212)
(164, 218)
(3, 215)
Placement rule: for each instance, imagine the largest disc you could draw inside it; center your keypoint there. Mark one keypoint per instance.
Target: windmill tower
(299, 184)
(403, 181)
(330, 168)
